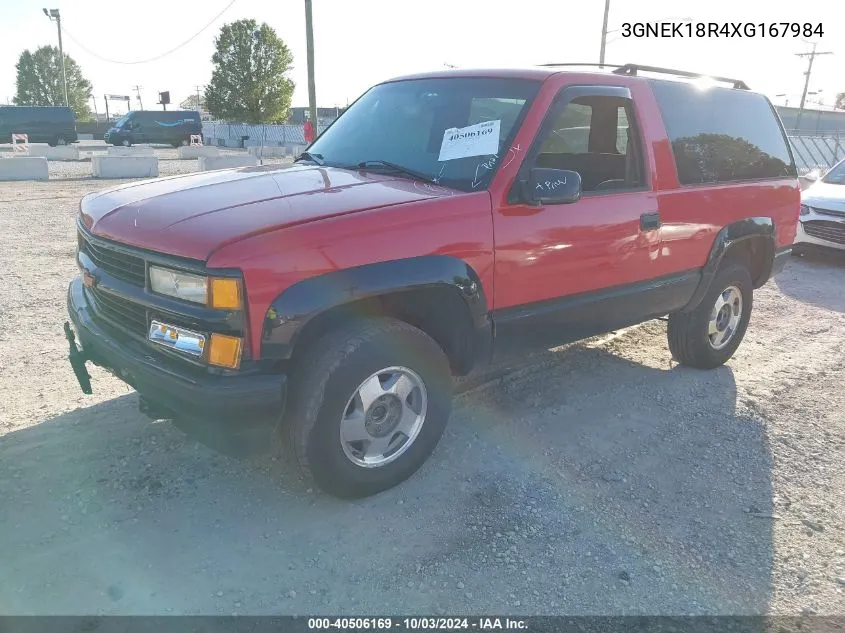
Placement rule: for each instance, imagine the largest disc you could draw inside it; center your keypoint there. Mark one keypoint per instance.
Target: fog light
(225, 293)
(224, 351)
(177, 338)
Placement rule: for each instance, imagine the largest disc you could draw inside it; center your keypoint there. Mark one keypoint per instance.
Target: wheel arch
(439, 294)
(750, 242)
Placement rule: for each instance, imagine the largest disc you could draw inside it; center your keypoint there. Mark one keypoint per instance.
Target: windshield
(122, 121)
(836, 175)
(452, 131)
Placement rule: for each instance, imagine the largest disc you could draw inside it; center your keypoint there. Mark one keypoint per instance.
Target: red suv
(444, 219)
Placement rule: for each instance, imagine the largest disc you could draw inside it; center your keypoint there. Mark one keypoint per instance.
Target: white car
(822, 218)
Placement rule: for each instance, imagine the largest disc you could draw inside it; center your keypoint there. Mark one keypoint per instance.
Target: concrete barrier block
(271, 151)
(124, 166)
(24, 168)
(134, 150)
(190, 152)
(207, 163)
(60, 152)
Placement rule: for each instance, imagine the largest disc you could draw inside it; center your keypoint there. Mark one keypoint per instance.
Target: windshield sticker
(481, 139)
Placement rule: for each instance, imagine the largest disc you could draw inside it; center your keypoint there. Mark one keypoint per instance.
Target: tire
(126, 143)
(61, 141)
(324, 395)
(689, 335)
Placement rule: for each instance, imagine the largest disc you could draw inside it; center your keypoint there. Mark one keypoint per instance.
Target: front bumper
(230, 413)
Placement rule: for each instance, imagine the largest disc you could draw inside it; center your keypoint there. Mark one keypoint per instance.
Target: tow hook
(77, 360)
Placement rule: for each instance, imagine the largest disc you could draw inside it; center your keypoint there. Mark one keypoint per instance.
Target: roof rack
(581, 64)
(631, 70)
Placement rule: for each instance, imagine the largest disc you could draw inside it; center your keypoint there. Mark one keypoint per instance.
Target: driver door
(567, 271)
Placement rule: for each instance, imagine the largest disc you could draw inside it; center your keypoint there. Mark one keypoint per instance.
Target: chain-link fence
(816, 150)
(224, 134)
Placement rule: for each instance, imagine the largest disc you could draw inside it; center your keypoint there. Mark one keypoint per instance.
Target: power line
(151, 59)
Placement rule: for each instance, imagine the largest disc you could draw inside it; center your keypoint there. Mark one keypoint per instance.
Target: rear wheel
(368, 406)
(126, 142)
(709, 335)
(61, 141)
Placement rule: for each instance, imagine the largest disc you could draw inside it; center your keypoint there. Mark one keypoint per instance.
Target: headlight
(805, 210)
(185, 286)
(220, 293)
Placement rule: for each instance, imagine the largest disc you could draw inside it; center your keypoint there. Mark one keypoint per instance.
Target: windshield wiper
(369, 164)
(314, 158)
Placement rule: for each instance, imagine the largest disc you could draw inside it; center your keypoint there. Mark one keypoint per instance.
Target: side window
(722, 134)
(622, 131)
(592, 135)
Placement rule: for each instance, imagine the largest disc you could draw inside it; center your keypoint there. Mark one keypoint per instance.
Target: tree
(248, 82)
(39, 81)
(840, 101)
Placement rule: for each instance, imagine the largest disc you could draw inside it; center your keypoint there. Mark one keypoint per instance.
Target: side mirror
(552, 186)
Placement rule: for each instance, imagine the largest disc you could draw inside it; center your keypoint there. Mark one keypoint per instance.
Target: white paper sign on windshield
(481, 139)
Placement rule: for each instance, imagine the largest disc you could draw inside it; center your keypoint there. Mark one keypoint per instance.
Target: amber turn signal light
(225, 293)
(225, 351)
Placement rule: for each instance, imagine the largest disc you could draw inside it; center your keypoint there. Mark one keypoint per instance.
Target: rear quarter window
(722, 134)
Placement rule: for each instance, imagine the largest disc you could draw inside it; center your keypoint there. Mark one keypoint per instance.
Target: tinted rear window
(722, 135)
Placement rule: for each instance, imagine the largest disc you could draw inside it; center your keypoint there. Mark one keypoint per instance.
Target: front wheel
(709, 335)
(368, 407)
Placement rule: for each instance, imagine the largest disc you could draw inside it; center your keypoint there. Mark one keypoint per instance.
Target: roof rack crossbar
(631, 71)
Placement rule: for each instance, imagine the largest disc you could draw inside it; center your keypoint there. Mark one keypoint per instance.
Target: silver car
(822, 218)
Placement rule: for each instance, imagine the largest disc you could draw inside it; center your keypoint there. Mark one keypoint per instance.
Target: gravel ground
(594, 479)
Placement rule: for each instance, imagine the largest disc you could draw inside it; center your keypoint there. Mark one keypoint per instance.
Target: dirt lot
(595, 479)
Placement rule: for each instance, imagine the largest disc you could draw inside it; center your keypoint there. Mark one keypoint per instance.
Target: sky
(361, 42)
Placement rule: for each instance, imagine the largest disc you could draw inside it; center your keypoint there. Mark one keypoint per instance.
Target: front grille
(125, 314)
(824, 230)
(113, 261)
(836, 214)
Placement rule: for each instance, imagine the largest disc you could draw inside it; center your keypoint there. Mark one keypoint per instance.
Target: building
(813, 121)
(324, 115)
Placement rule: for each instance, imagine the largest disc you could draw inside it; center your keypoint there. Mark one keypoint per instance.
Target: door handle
(650, 221)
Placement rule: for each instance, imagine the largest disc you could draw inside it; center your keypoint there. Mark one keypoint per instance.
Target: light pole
(54, 13)
(309, 46)
(604, 32)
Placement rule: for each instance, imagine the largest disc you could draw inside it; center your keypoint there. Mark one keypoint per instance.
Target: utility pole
(812, 56)
(138, 92)
(54, 13)
(198, 96)
(604, 33)
(309, 43)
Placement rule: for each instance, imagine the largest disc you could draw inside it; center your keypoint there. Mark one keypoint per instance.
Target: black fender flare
(728, 236)
(298, 304)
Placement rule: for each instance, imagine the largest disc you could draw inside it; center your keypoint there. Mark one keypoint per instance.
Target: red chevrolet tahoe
(443, 220)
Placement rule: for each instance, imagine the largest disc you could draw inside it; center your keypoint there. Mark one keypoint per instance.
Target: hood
(195, 214)
(825, 196)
